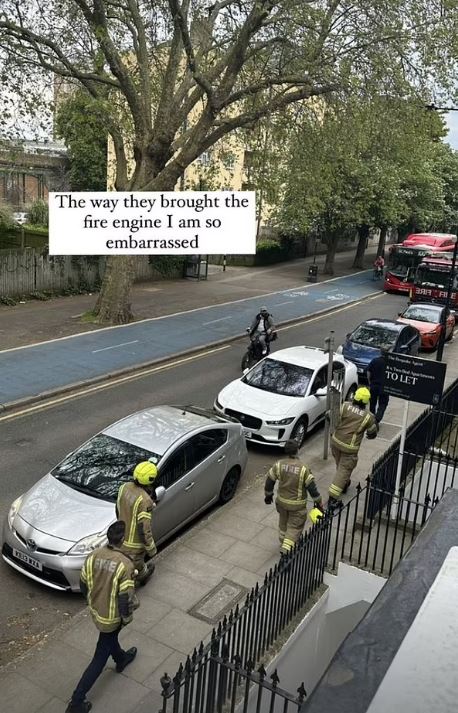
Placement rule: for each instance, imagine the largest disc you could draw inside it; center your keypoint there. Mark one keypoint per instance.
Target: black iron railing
(250, 630)
(433, 431)
(377, 540)
(218, 684)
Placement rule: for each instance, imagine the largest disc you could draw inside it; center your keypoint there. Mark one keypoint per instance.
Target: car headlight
(281, 422)
(14, 509)
(339, 349)
(87, 544)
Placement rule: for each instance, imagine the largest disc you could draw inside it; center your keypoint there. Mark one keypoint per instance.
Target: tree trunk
(333, 239)
(113, 304)
(363, 233)
(382, 241)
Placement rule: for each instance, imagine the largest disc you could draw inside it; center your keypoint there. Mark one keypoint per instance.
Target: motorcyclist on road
(379, 264)
(263, 327)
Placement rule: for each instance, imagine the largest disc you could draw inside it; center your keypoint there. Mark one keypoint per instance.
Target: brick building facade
(28, 171)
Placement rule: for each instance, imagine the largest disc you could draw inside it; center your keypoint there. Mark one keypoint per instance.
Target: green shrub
(39, 213)
(269, 252)
(6, 218)
(168, 266)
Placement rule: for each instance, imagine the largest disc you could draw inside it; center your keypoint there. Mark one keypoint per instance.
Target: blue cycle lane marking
(30, 371)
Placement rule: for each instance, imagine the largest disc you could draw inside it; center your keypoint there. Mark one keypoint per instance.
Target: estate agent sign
(414, 379)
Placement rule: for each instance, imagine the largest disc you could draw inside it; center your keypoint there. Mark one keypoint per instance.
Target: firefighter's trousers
(345, 465)
(143, 569)
(290, 526)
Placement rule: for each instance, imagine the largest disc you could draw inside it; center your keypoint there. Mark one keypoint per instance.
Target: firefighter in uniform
(294, 482)
(107, 582)
(346, 440)
(135, 505)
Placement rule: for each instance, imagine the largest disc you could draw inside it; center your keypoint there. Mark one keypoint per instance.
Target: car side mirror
(347, 336)
(159, 492)
(400, 314)
(321, 392)
(245, 371)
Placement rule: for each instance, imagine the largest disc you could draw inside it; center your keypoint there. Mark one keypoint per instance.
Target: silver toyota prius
(52, 528)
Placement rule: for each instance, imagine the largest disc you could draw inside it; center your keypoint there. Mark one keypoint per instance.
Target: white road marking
(279, 304)
(388, 423)
(212, 321)
(326, 313)
(107, 385)
(115, 346)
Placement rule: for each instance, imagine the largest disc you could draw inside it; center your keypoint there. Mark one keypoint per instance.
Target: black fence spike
(262, 672)
(275, 679)
(225, 652)
(165, 682)
(249, 666)
(237, 661)
(201, 648)
(302, 693)
(358, 488)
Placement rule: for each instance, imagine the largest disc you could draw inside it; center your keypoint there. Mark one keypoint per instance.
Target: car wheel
(300, 430)
(351, 392)
(229, 486)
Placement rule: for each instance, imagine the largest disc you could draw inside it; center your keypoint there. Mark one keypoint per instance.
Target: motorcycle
(254, 353)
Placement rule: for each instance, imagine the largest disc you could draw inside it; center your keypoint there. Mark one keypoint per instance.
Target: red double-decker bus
(432, 281)
(404, 258)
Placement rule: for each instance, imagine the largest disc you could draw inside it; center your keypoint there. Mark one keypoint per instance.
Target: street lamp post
(451, 277)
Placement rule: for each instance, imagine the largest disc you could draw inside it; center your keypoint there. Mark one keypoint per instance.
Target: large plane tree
(176, 76)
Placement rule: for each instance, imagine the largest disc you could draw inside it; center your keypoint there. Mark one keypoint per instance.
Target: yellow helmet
(315, 514)
(145, 473)
(362, 394)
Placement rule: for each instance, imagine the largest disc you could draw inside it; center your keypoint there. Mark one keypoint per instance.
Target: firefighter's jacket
(135, 507)
(107, 582)
(353, 423)
(294, 482)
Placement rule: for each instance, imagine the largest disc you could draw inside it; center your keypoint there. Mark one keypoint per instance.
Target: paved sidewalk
(237, 542)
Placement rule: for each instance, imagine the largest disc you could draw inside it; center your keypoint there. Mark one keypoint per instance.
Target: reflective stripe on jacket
(107, 580)
(294, 482)
(353, 423)
(135, 507)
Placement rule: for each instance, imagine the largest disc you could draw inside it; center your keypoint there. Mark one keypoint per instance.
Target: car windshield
(279, 377)
(372, 335)
(423, 314)
(101, 465)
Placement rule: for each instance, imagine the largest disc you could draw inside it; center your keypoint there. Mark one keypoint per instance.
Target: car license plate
(27, 559)
(246, 433)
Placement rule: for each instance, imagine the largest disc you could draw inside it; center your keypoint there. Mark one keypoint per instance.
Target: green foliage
(38, 214)
(82, 123)
(168, 266)
(6, 219)
(269, 252)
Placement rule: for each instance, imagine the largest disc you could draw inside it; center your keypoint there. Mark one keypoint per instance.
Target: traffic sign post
(412, 379)
(329, 349)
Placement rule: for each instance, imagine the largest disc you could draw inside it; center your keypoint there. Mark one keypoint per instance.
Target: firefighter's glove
(268, 499)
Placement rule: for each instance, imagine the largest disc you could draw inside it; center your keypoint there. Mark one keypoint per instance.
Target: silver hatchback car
(52, 528)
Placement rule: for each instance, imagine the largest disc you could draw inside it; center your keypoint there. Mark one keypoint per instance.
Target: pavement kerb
(138, 368)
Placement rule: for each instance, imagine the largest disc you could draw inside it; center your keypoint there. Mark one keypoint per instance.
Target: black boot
(129, 656)
(333, 505)
(83, 707)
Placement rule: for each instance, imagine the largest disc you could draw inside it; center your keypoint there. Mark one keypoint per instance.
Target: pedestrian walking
(107, 582)
(134, 506)
(346, 440)
(376, 376)
(295, 481)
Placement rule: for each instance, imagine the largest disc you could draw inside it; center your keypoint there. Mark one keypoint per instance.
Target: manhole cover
(219, 601)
